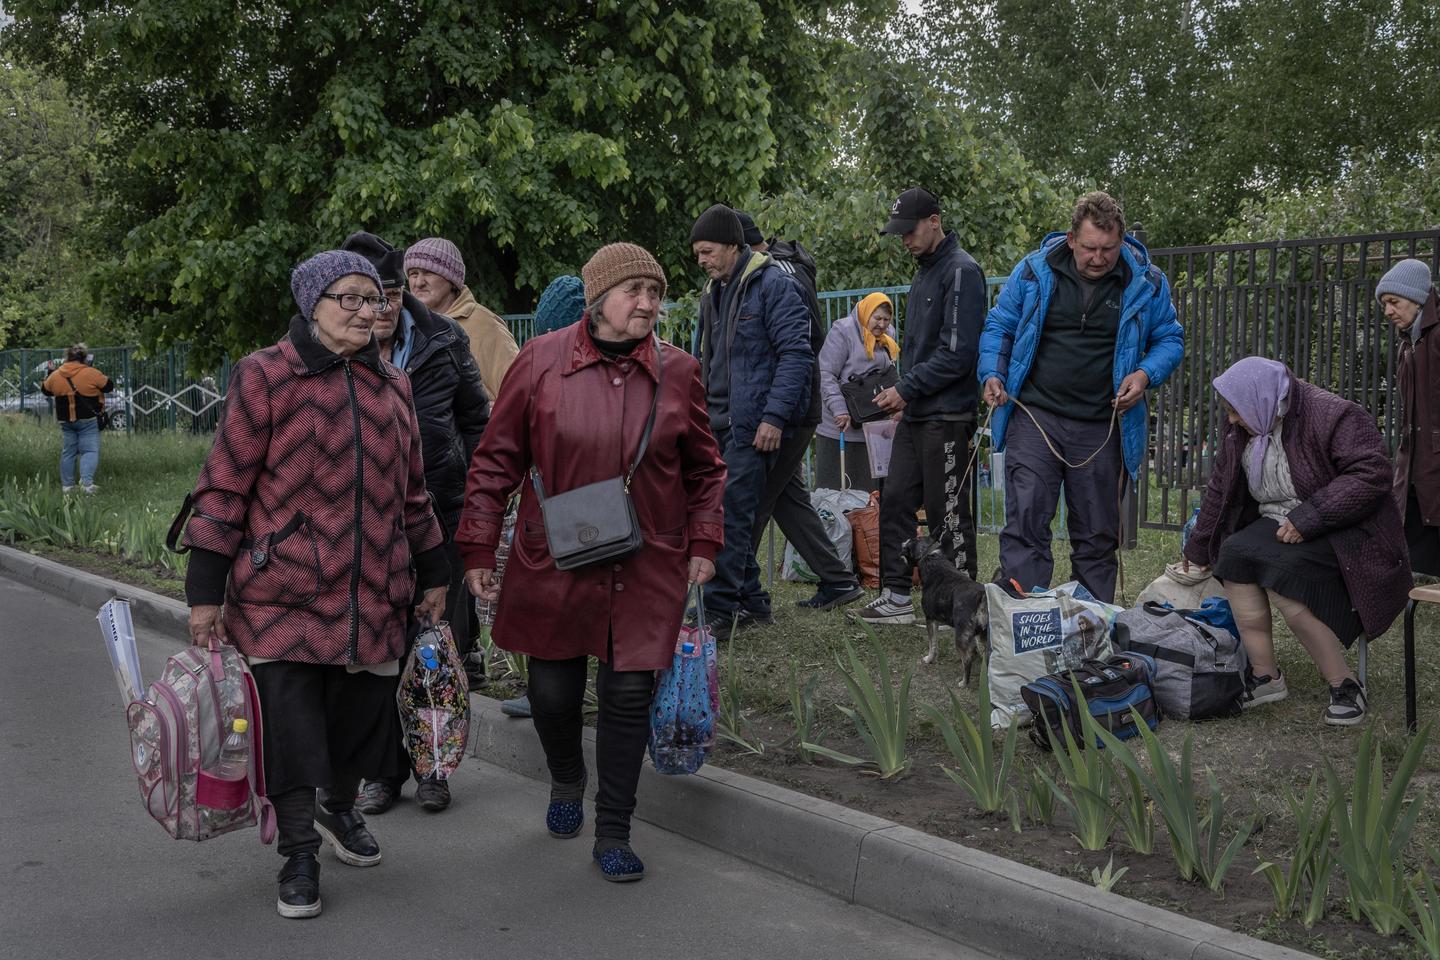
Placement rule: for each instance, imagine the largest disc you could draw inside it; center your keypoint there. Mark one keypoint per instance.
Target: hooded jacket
(944, 312)
(793, 259)
(767, 345)
(1150, 337)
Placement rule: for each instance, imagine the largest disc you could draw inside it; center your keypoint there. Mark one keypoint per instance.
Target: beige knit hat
(615, 263)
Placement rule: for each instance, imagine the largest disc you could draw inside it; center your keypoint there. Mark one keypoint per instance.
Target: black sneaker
(433, 794)
(1347, 704)
(723, 627)
(475, 670)
(830, 596)
(377, 796)
(348, 836)
(299, 895)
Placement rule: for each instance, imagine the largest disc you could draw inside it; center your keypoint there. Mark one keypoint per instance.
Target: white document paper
(879, 438)
(118, 632)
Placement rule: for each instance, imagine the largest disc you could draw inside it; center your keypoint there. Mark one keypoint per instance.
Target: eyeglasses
(354, 301)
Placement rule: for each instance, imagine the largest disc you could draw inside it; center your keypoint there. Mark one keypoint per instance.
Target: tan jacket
(491, 343)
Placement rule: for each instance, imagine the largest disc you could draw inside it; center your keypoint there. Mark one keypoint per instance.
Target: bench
(1418, 595)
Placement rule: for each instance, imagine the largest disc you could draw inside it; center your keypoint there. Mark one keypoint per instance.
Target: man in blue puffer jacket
(756, 363)
(1082, 328)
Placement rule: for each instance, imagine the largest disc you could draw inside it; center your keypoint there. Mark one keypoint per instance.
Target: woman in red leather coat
(574, 406)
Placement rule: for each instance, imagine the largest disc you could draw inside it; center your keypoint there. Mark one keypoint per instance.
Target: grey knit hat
(1409, 279)
(439, 256)
(311, 278)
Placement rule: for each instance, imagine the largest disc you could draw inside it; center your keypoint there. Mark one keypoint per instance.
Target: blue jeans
(80, 438)
(737, 573)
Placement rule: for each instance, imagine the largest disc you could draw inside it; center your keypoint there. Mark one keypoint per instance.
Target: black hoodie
(940, 340)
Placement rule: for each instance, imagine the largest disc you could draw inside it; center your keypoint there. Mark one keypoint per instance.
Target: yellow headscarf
(863, 309)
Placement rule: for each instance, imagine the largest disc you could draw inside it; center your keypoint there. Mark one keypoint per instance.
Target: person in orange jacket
(79, 391)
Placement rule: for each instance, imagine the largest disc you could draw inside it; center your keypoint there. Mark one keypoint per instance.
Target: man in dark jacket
(935, 400)
(452, 408)
(756, 362)
(785, 496)
(1408, 299)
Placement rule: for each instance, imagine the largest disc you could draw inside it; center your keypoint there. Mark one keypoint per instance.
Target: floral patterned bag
(434, 702)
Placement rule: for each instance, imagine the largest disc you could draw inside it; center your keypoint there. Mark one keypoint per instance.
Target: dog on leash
(948, 596)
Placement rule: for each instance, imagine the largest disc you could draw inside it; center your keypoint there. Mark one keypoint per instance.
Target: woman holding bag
(855, 346)
(591, 404)
(311, 536)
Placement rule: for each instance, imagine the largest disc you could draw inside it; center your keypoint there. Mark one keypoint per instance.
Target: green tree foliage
(1373, 193)
(247, 135)
(901, 132)
(47, 161)
(1187, 108)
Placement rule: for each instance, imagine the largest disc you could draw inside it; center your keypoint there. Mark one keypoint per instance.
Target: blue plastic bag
(1216, 612)
(687, 699)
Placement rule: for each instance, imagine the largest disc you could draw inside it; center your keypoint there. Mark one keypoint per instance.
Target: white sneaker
(69, 489)
(90, 488)
(886, 608)
(1265, 689)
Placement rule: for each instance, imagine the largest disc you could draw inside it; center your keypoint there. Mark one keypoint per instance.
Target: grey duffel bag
(1200, 668)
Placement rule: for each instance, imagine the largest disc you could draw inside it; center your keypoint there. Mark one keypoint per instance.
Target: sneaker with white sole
(1347, 704)
(1263, 689)
(888, 608)
(70, 489)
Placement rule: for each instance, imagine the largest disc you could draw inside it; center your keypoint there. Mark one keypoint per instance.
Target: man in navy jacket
(756, 363)
(935, 401)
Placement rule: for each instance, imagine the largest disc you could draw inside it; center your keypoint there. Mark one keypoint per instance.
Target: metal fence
(1309, 303)
(152, 391)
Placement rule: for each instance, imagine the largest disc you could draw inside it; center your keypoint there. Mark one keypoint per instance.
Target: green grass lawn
(1256, 757)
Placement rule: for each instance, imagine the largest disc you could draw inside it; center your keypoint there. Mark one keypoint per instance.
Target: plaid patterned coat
(315, 488)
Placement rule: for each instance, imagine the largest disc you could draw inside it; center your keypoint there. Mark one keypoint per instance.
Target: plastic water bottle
(235, 752)
(429, 657)
(1189, 528)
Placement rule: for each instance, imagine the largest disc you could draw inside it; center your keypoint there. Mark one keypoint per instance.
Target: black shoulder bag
(596, 522)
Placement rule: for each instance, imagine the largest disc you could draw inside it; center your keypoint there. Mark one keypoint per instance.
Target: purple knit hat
(1254, 388)
(439, 256)
(311, 277)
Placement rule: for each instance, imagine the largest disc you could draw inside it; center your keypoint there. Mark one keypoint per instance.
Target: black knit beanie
(718, 225)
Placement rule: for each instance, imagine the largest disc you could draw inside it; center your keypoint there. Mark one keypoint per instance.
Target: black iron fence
(1308, 303)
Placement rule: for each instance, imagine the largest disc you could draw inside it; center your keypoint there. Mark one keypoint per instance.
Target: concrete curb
(971, 897)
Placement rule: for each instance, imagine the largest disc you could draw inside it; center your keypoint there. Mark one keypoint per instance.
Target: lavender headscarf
(1254, 388)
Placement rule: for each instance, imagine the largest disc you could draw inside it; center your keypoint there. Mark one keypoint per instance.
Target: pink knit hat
(439, 256)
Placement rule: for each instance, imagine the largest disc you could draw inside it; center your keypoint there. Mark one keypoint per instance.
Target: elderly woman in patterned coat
(1299, 513)
(311, 537)
(574, 408)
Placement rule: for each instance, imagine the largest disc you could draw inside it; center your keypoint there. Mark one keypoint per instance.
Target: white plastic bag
(831, 506)
(1045, 632)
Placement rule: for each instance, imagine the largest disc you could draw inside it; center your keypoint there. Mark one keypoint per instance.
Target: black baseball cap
(910, 208)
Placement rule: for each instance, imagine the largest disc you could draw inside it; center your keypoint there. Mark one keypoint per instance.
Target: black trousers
(788, 501)
(622, 730)
(459, 604)
(927, 463)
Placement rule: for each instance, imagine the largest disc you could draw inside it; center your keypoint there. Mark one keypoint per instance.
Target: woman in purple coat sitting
(854, 346)
(1299, 512)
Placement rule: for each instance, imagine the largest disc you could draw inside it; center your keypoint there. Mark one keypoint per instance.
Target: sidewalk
(88, 874)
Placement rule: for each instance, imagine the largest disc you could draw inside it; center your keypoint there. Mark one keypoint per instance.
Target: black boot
(299, 887)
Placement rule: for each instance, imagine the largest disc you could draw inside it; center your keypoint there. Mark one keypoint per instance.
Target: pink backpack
(176, 734)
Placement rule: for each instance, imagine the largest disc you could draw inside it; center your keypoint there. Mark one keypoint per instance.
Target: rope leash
(1120, 492)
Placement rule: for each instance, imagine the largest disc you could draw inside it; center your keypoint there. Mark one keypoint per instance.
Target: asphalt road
(88, 874)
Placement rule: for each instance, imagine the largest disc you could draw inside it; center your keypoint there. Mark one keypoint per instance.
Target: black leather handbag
(596, 522)
(859, 393)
